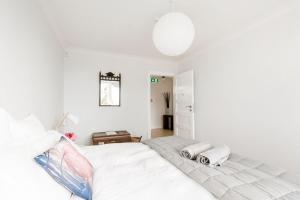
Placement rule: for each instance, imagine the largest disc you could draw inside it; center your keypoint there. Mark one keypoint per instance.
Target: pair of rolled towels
(206, 154)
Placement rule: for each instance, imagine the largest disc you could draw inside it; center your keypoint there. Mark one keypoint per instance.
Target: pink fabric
(75, 161)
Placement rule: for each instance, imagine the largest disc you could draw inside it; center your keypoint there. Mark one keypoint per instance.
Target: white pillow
(22, 178)
(27, 130)
(44, 143)
(39, 145)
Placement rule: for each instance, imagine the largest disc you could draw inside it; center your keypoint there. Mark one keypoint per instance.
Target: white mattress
(132, 171)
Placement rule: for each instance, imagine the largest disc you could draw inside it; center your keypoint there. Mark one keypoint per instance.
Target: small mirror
(110, 89)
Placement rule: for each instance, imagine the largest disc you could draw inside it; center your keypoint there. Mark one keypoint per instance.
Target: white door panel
(184, 104)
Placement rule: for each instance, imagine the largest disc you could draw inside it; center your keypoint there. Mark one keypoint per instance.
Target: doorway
(161, 100)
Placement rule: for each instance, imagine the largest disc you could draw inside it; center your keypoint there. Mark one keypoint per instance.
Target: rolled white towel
(214, 157)
(193, 150)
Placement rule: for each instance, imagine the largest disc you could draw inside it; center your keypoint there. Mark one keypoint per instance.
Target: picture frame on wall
(109, 89)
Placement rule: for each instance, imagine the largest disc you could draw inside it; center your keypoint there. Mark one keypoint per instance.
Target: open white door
(184, 104)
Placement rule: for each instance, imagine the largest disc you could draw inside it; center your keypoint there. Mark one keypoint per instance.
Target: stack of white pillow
(20, 176)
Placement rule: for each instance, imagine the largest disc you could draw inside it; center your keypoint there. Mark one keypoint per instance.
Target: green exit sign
(154, 80)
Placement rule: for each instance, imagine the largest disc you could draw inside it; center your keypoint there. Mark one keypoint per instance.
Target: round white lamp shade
(173, 34)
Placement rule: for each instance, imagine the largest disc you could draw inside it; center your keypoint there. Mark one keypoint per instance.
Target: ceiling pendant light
(173, 33)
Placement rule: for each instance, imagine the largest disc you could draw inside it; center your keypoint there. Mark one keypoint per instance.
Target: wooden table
(119, 137)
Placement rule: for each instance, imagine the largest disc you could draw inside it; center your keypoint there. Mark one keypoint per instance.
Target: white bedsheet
(132, 171)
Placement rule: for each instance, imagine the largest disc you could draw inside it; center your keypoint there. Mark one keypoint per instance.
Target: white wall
(31, 63)
(248, 93)
(158, 105)
(82, 92)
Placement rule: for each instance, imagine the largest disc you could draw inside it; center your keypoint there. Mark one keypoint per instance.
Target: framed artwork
(110, 89)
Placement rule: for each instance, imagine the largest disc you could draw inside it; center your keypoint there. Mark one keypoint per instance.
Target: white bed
(132, 171)
(128, 171)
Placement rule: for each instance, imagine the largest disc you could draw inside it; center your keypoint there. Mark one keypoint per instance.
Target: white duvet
(132, 171)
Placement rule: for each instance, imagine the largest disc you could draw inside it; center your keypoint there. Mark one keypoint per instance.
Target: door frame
(156, 73)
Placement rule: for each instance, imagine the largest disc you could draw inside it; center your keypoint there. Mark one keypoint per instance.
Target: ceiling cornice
(254, 25)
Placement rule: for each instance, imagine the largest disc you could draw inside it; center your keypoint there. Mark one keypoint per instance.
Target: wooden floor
(161, 133)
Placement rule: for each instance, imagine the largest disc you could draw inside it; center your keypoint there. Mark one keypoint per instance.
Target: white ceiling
(125, 26)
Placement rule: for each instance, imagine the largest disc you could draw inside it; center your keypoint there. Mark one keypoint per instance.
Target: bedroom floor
(155, 133)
